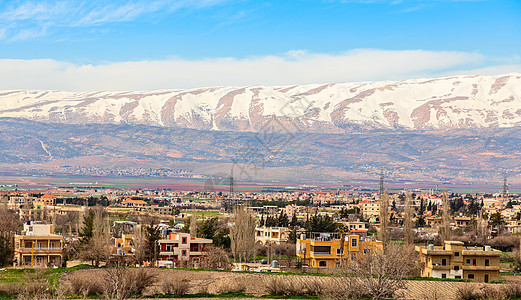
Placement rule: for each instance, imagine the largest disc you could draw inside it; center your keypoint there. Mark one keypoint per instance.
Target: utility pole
(505, 185)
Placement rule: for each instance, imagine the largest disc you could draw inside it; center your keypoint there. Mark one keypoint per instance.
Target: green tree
(152, 236)
(6, 251)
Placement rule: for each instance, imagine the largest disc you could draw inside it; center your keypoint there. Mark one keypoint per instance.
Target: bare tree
(123, 283)
(407, 221)
(242, 234)
(140, 245)
(384, 218)
(380, 272)
(445, 229)
(215, 258)
(193, 225)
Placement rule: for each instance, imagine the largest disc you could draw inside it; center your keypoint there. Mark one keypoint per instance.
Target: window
(183, 253)
(39, 245)
(471, 276)
(456, 268)
(322, 263)
(456, 253)
(468, 261)
(443, 275)
(338, 251)
(457, 277)
(51, 245)
(444, 262)
(354, 242)
(487, 262)
(474, 262)
(184, 240)
(486, 277)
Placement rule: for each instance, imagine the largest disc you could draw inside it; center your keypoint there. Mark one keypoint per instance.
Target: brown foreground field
(258, 284)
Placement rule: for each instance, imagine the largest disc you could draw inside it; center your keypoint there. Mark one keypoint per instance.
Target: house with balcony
(453, 260)
(38, 246)
(273, 235)
(324, 250)
(181, 247)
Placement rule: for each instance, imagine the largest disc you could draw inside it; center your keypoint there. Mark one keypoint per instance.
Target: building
(124, 245)
(48, 200)
(38, 246)
(274, 235)
(181, 247)
(462, 222)
(129, 202)
(323, 250)
(356, 227)
(453, 260)
(370, 209)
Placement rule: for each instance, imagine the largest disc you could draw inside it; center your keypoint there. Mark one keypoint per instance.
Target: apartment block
(274, 235)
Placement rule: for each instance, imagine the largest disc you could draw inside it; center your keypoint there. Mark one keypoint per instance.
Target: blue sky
(150, 44)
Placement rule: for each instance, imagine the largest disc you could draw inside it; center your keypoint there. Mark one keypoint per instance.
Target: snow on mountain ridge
(437, 103)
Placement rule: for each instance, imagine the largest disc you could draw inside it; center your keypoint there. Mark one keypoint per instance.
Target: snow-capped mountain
(439, 103)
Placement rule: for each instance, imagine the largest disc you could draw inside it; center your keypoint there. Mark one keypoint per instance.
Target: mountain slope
(440, 103)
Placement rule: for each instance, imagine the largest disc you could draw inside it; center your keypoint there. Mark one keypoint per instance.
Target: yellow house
(453, 260)
(124, 245)
(324, 250)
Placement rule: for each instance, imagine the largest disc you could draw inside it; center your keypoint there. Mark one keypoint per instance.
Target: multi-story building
(181, 247)
(273, 235)
(38, 246)
(324, 250)
(370, 209)
(453, 260)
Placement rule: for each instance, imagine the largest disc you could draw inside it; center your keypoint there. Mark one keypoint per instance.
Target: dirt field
(215, 282)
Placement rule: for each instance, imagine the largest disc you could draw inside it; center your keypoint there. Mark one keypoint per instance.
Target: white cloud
(295, 67)
(36, 16)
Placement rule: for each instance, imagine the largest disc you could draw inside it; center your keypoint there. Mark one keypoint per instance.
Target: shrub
(468, 292)
(80, 283)
(231, 286)
(11, 288)
(123, 282)
(175, 286)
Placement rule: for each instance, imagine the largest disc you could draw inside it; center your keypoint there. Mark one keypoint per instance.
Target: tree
(380, 272)
(216, 258)
(193, 225)
(321, 224)
(242, 234)
(140, 245)
(6, 251)
(152, 236)
(407, 221)
(98, 247)
(420, 222)
(445, 229)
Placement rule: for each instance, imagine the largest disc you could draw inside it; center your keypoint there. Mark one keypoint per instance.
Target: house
(181, 247)
(129, 202)
(38, 246)
(124, 245)
(48, 200)
(324, 250)
(356, 227)
(462, 222)
(274, 235)
(453, 260)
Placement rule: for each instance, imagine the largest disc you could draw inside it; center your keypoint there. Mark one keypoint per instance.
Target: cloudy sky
(162, 44)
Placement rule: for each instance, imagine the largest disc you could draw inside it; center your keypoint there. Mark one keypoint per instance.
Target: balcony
(40, 250)
(319, 253)
(481, 268)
